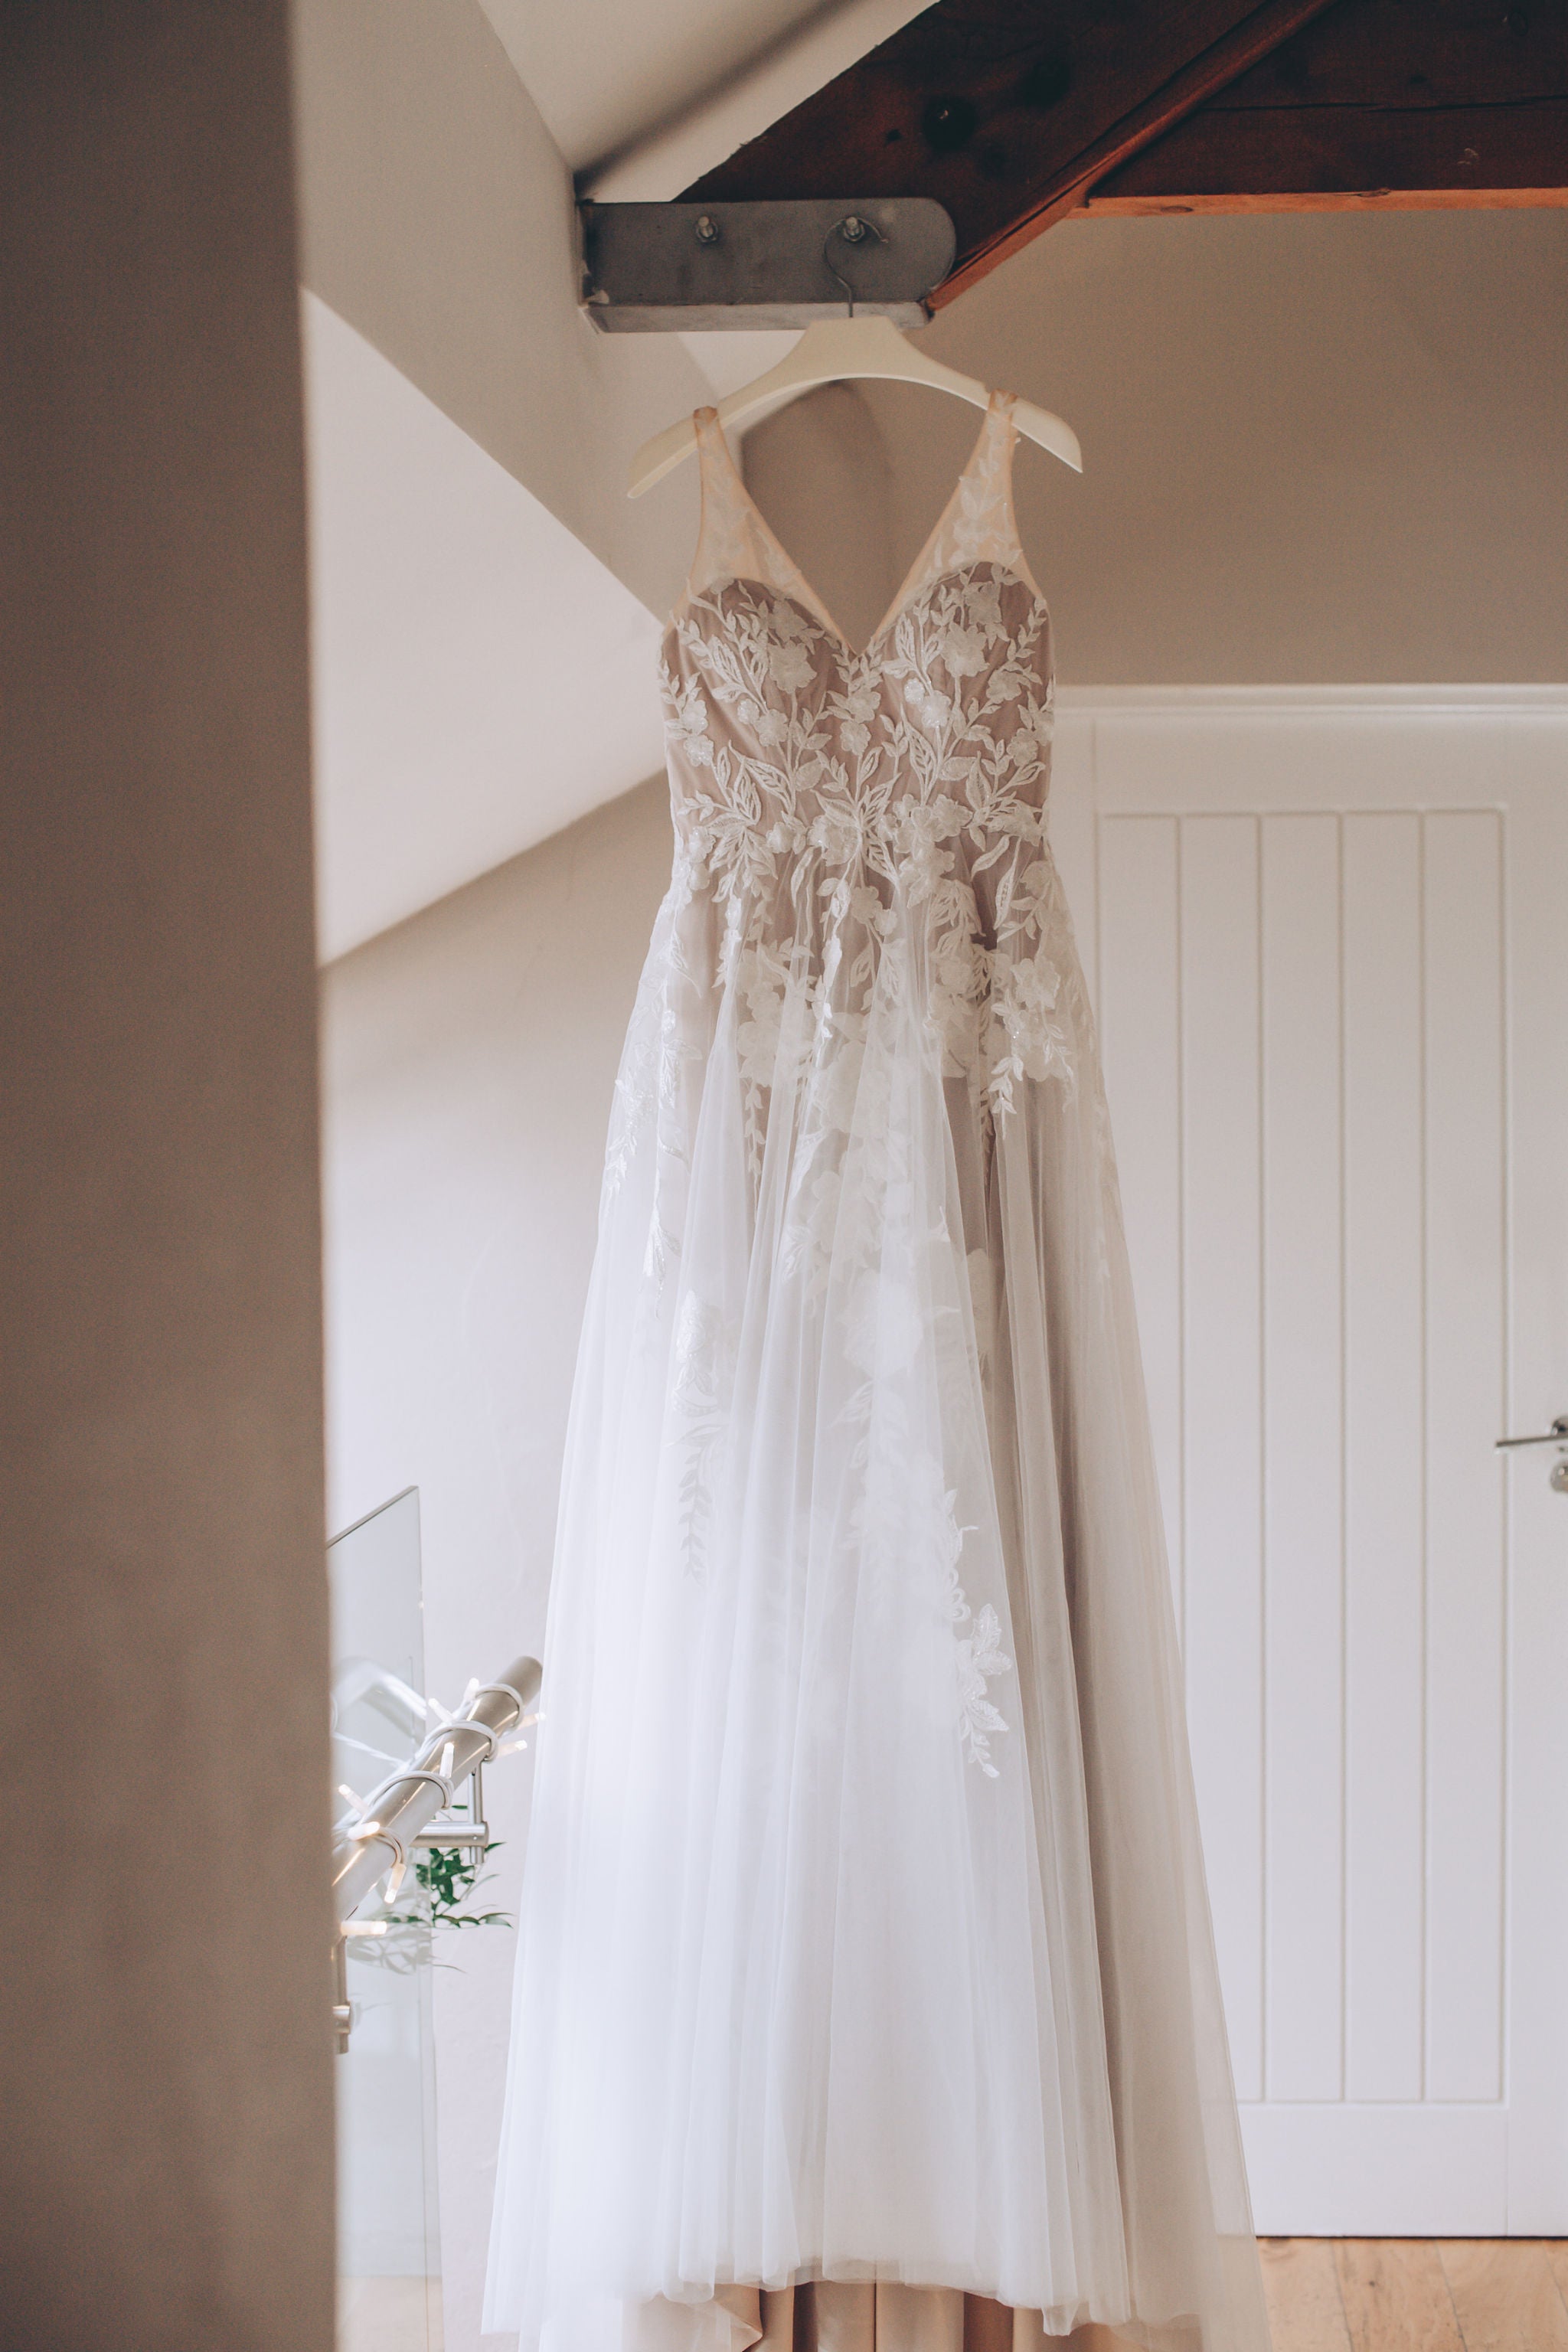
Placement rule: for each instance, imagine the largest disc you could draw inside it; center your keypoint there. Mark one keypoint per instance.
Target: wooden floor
(1325, 2295)
(1417, 2295)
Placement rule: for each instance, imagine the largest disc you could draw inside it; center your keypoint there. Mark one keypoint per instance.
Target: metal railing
(412, 1807)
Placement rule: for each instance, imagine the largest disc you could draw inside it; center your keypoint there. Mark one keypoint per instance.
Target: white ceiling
(641, 99)
(478, 679)
(606, 73)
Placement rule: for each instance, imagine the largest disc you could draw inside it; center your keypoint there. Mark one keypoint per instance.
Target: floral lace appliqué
(865, 907)
(978, 1657)
(703, 1371)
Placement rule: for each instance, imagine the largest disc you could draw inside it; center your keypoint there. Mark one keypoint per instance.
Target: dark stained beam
(1377, 103)
(1005, 111)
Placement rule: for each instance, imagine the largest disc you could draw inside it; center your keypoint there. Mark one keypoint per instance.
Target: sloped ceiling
(641, 99)
(481, 678)
(605, 73)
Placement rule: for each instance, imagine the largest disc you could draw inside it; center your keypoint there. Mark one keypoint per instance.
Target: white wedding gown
(866, 1993)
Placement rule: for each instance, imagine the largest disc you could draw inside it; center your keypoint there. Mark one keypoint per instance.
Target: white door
(1328, 937)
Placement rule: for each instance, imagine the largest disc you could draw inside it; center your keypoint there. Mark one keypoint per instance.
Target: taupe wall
(165, 2165)
(1318, 448)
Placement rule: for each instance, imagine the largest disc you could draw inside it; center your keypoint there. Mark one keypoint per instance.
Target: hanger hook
(853, 228)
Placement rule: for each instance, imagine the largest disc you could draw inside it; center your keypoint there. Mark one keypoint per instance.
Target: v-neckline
(907, 587)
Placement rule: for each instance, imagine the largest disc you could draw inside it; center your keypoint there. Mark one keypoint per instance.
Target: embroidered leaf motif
(980, 1658)
(863, 890)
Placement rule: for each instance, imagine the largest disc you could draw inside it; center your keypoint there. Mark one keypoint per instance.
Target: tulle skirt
(865, 1945)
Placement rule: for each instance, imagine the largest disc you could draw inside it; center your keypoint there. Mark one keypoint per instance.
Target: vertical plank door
(1328, 934)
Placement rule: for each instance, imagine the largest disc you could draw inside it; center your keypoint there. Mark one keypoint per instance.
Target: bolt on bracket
(657, 268)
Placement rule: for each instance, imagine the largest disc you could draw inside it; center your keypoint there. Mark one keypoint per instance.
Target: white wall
(483, 590)
(480, 679)
(469, 1058)
(436, 219)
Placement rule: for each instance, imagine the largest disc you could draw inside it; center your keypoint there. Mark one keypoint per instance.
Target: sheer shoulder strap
(733, 542)
(979, 525)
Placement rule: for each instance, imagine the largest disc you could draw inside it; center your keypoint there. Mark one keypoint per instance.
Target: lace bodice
(826, 798)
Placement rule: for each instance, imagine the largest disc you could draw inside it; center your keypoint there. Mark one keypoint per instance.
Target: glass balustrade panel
(389, 2266)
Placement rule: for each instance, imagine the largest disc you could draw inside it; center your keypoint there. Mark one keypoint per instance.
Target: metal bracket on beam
(652, 268)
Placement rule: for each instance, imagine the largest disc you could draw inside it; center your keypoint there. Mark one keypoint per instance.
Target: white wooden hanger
(830, 349)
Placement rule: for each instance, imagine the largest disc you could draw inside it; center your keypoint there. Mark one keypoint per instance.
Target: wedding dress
(866, 1994)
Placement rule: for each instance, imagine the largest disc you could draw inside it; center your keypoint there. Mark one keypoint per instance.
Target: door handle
(1557, 1477)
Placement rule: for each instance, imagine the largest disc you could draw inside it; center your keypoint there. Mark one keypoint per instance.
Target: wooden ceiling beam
(1007, 111)
(1014, 112)
(1390, 104)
